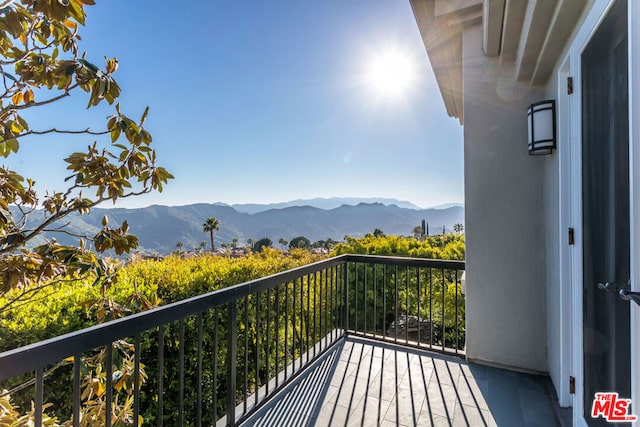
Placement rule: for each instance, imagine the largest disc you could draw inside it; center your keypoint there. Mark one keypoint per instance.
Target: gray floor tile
(379, 384)
(535, 406)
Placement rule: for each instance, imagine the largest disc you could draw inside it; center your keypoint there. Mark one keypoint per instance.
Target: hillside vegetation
(73, 305)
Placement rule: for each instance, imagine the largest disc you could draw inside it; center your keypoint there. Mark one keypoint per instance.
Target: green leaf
(115, 133)
(92, 68)
(144, 115)
(70, 69)
(9, 76)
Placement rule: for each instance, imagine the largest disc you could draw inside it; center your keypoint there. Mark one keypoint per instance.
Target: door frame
(571, 184)
(634, 176)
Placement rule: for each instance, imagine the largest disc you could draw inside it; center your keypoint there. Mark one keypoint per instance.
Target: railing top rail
(406, 261)
(28, 358)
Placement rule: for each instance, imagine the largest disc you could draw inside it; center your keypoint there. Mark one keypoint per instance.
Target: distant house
(142, 256)
(322, 251)
(552, 240)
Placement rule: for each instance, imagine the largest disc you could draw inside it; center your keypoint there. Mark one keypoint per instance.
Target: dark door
(605, 191)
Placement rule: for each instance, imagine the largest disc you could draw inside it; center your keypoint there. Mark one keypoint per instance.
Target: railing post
(232, 349)
(345, 319)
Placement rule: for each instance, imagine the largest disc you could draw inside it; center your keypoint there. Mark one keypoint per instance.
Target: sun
(391, 72)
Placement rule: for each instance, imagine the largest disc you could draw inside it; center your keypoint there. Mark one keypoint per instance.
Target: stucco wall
(504, 224)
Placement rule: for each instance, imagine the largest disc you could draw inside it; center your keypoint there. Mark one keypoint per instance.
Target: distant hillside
(322, 203)
(160, 227)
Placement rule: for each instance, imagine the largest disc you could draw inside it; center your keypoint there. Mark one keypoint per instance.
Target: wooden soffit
(531, 34)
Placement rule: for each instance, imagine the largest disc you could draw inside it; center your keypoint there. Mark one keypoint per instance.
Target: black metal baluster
(308, 316)
(345, 309)
(395, 281)
(444, 334)
(39, 398)
(257, 360)
(456, 319)
(286, 331)
(375, 300)
(77, 360)
(109, 377)
(232, 355)
(323, 318)
(199, 373)
(136, 381)
(419, 314)
(384, 300)
(332, 302)
(431, 308)
(267, 347)
(316, 312)
(406, 305)
(293, 327)
(364, 300)
(355, 298)
(216, 353)
(301, 319)
(246, 353)
(277, 327)
(181, 375)
(160, 375)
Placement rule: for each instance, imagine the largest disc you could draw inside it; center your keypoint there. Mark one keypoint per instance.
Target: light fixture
(541, 118)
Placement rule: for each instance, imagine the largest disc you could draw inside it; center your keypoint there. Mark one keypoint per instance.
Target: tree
(418, 232)
(299, 242)
(265, 242)
(41, 64)
(179, 246)
(250, 243)
(203, 245)
(319, 244)
(234, 242)
(458, 228)
(378, 233)
(282, 242)
(330, 243)
(210, 225)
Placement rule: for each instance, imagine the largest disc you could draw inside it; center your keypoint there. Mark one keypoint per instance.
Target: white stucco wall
(505, 216)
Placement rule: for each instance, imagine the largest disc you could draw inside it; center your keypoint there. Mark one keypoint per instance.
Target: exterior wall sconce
(541, 118)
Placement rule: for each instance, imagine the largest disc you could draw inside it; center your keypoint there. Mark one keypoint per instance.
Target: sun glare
(391, 73)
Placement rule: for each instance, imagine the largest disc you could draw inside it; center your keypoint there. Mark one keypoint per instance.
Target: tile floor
(367, 383)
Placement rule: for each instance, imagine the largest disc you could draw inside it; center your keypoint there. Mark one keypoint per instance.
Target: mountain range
(325, 203)
(159, 228)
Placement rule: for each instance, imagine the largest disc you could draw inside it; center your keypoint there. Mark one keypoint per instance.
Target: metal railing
(216, 358)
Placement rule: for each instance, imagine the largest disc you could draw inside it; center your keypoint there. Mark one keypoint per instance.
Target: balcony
(352, 340)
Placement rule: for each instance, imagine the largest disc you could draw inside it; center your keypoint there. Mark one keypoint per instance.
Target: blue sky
(266, 101)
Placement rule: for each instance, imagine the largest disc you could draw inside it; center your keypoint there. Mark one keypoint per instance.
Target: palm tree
(234, 242)
(283, 243)
(458, 228)
(209, 226)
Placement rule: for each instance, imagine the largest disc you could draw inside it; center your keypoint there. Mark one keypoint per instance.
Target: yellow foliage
(445, 246)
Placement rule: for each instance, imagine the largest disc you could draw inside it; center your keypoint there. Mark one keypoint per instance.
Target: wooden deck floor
(367, 383)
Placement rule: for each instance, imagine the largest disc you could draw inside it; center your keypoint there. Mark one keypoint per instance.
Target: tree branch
(61, 214)
(12, 107)
(86, 131)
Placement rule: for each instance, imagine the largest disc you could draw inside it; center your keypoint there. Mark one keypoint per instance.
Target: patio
(361, 382)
